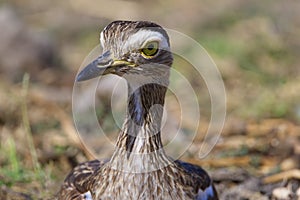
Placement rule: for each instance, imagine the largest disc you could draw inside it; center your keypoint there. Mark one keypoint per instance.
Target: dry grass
(255, 46)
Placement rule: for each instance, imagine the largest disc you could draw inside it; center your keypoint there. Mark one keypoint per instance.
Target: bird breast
(156, 185)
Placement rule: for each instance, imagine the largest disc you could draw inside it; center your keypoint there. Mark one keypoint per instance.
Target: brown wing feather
(77, 181)
(201, 181)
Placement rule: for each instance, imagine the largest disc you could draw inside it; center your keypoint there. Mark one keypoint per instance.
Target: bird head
(131, 48)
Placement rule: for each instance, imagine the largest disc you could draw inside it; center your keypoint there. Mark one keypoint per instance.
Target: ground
(256, 49)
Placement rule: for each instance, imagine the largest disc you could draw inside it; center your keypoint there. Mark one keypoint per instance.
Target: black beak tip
(80, 77)
(96, 68)
(89, 72)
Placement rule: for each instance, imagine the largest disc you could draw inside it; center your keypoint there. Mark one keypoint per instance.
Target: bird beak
(103, 65)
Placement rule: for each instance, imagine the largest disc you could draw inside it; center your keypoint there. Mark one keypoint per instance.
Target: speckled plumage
(139, 167)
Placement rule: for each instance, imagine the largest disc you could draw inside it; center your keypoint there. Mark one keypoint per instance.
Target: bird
(139, 52)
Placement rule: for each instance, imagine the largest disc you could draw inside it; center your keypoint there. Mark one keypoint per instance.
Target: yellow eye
(150, 49)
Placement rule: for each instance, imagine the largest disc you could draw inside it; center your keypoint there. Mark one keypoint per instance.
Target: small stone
(298, 193)
(288, 164)
(281, 193)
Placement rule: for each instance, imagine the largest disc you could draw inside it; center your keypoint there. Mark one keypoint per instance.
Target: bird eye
(150, 49)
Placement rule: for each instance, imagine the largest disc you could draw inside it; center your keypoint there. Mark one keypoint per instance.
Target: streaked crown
(132, 47)
(137, 41)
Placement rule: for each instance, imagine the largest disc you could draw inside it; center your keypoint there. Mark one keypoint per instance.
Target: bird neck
(144, 115)
(140, 139)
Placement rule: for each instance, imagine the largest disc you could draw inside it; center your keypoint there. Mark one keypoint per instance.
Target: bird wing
(75, 186)
(202, 181)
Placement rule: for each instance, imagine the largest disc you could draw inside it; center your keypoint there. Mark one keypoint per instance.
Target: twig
(294, 173)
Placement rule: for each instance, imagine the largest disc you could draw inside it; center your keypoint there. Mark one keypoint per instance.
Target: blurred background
(255, 45)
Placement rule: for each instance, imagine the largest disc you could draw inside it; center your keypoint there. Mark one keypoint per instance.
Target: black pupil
(150, 47)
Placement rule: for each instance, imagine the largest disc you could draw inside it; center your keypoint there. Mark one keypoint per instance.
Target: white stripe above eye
(140, 38)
